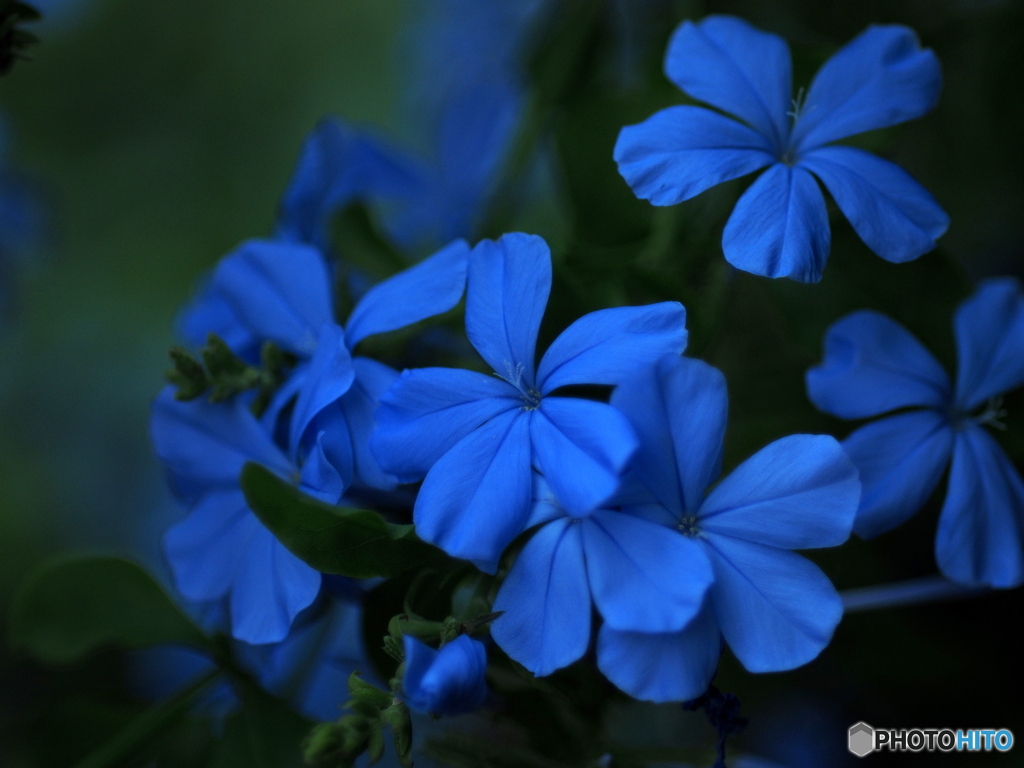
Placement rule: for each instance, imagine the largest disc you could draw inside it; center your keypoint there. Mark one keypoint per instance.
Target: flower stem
(928, 589)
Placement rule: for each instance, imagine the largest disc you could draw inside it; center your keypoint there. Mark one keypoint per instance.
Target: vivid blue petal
(606, 346)
(281, 291)
(729, 64)
(336, 443)
(678, 409)
(429, 410)
(895, 216)
(981, 530)
(644, 577)
(509, 282)
(679, 152)
(429, 288)
(799, 492)
(874, 365)
(901, 459)
(210, 313)
(476, 498)
(990, 342)
(545, 504)
(373, 379)
(205, 445)
(319, 478)
(449, 681)
(581, 447)
(880, 78)
(779, 227)
(329, 377)
(777, 610)
(660, 667)
(546, 601)
(337, 166)
(274, 418)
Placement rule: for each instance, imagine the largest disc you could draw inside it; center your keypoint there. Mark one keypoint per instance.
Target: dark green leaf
(349, 542)
(71, 606)
(264, 733)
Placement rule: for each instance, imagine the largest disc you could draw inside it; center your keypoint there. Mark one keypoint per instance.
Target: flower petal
(545, 505)
(281, 291)
(320, 478)
(604, 347)
(665, 666)
(644, 577)
(509, 283)
(204, 445)
(678, 409)
(882, 77)
(679, 152)
(428, 410)
(729, 64)
(779, 227)
(777, 610)
(799, 492)
(373, 379)
(329, 377)
(429, 288)
(874, 365)
(449, 681)
(981, 530)
(209, 312)
(990, 342)
(546, 602)
(476, 498)
(581, 447)
(895, 216)
(901, 459)
(337, 165)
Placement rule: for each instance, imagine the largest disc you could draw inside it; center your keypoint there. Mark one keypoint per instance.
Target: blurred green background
(162, 134)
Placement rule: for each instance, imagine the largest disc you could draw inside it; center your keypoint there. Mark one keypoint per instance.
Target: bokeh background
(145, 140)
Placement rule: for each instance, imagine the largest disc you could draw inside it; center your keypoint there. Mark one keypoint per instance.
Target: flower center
(514, 376)
(688, 526)
(993, 414)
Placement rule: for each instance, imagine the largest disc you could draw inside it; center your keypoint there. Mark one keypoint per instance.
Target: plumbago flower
(476, 437)
(281, 292)
(775, 609)
(780, 227)
(874, 366)
(448, 681)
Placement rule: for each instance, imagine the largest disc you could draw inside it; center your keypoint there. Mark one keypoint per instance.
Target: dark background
(162, 134)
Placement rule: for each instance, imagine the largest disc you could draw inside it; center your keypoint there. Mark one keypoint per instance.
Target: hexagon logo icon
(862, 739)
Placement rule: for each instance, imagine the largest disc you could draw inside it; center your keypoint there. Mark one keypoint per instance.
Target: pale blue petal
(280, 291)
(880, 78)
(777, 610)
(546, 602)
(428, 410)
(679, 152)
(644, 577)
(901, 459)
(606, 346)
(668, 666)
(359, 404)
(981, 530)
(779, 227)
(449, 681)
(874, 365)
(509, 282)
(319, 477)
(678, 409)
(205, 445)
(476, 498)
(581, 447)
(329, 377)
(895, 216)
(990, 342)
(429, 288)
(799, 492)
(729, 64)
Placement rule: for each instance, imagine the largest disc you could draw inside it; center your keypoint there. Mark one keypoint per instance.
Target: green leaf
(72, 606)
(350, 542)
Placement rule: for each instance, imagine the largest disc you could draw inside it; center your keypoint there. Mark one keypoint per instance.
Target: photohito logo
(863, 739)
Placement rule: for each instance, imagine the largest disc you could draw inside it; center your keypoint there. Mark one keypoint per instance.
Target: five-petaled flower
(780, 227)
(874, 366)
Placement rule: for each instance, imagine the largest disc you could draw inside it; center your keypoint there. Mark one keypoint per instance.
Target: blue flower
(780, 227)
(281, 292)
(775, 609)
(873, 366)
(476, 437)
(449, 681)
